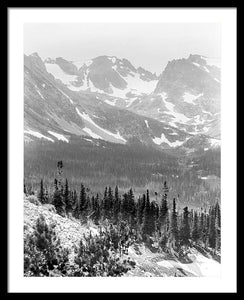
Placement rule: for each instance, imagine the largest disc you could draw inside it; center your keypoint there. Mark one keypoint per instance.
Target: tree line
(148, 220)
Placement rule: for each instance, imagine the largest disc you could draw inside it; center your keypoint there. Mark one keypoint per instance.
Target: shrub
(43, 254)
(105, 254)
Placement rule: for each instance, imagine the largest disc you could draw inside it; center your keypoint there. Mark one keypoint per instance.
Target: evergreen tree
(131, 208)
(46, 196)
(59, 174)
(195, 230)
(83, 199)
(59, 203)
(174, 234)
(201, 226)
(76, 206)
(218, 226)
(97, 210)
(116, 207)
(212, 229)
(58, 199)
(185, 228)
(25, 190)
(67, 197)
(163, 212)
(41, 195)
(140, 208)
(152, 217)
(147, 225)
(124, 207)
(110, 202)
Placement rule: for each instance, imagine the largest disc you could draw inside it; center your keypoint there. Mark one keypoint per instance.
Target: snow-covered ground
(110, 102)
(178, 117)
(201, 266)
(59, 136)
(39, 93)
(147, 123)
(163, 139)
(58, 73)
(215, 142)
(38, 134)
(91, 127)
(189, 98)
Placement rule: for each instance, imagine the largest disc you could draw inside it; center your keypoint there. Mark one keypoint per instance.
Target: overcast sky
(148, 45)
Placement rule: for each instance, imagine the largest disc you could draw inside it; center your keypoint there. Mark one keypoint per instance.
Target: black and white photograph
(122, 133)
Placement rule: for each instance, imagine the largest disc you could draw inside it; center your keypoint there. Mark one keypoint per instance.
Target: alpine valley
(114, 124)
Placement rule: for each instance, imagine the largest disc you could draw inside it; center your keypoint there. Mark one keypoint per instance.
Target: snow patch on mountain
(178, 116)
(196, 64)
(88, 120)
(130, 101)
(91, 133)
(38, 135)
(215, 142)
(110, 102)
(163, 139)
(198, 120)
(142, 86)
(39, 93)
(135, 85)
(113, 59)
(70, 100)
(189, 98)
(206, 69)
(58, 73)
(59, 136)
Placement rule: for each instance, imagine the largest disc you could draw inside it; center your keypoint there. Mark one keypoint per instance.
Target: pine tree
(110, 203)
(147, 225)
(218, 226)
(59, 203)
(59, 174)
(131, 208)
(212, 229)
(201, 226)
(76, 206)
(25, 190)
(163, 212)
(105, 203)
(58, 199)
(46, 196)
(174, 234)
(41, 196)
(83, 201)
(152, 217)
(97, 210)
(67, 197)
(116, 206)
(195, 230)
(185, 228)
(140, 208)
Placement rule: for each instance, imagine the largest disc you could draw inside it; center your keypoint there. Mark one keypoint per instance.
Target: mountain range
(109, 99)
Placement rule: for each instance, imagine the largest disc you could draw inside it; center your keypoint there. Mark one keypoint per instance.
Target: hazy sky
(150, 45)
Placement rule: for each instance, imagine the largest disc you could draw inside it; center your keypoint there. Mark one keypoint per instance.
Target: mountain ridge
(86, 113)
